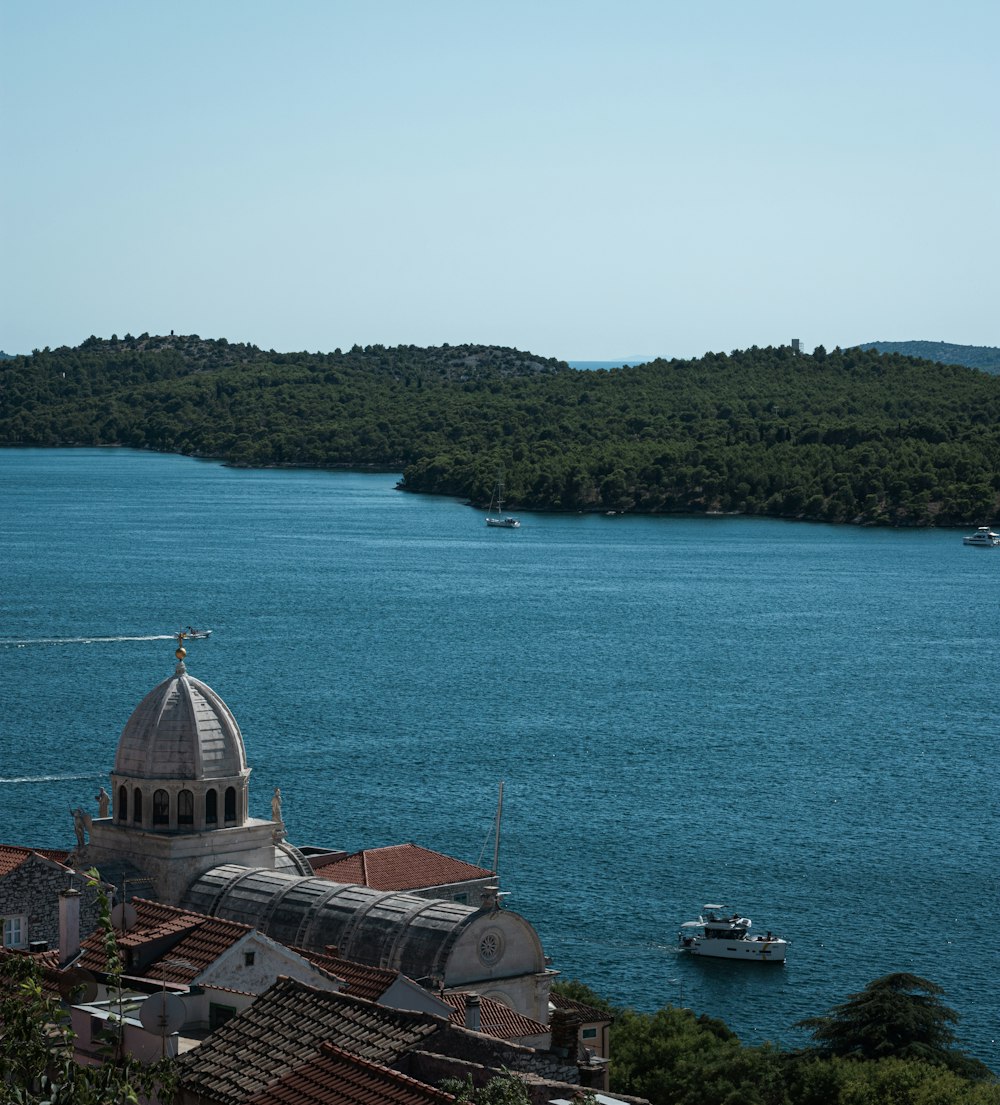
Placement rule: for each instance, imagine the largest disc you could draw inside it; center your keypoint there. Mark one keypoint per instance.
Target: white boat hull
(753, 950)
(503, 523)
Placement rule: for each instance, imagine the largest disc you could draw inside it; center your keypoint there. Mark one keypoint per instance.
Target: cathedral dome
(181, 730)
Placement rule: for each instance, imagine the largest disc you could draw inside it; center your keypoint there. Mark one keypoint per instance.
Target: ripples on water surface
(797, 720)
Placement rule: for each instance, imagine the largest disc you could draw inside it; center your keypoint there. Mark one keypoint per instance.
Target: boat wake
(47, 778)
(26, 641)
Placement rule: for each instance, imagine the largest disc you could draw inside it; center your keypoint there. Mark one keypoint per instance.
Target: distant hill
(855, 435)
(984, 357)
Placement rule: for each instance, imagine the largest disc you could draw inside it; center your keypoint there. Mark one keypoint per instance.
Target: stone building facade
(30, 887)
(181, 832)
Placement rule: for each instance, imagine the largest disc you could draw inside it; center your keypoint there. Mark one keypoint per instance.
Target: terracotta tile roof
(53, 981)
(336, 1077)
(399, 867)
(286, 1027)
(191, 937)
(588, 1012)
(12, 856)
(359, 980)
(495, 1018)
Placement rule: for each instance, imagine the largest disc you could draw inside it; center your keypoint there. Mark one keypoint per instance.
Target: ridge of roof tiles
(286, 1027)
(200, 941)
(399, 867)
(590, 1012)
(360, 980)
(495, 1018)
(13, 855)
(338, 1077)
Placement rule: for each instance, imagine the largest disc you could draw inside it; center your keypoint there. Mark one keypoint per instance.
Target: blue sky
(583, 180)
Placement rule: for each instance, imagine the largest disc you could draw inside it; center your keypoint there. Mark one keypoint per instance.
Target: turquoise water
(798, 720)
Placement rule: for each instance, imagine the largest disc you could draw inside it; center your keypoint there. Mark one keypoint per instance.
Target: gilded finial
(181, 650)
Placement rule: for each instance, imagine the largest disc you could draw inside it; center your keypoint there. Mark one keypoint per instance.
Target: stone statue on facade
(103, 800)
(276, 805)
(81, 825)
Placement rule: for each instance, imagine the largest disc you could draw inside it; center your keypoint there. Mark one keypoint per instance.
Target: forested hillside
(984, 357)
(849, 436)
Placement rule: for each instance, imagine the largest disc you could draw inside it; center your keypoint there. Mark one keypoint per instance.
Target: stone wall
(32, 890)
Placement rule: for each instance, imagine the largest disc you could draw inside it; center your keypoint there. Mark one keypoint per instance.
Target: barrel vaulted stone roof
(181, 730)
(399, 867)
(402, 932)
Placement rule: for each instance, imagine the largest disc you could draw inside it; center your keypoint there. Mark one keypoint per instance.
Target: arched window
(211, 807)
(161, 807)
(121, 810)
(185, 808)
(137, 806)
(230, 805)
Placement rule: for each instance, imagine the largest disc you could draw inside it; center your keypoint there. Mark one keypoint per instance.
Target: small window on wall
(248, 958)
(137, 806)
(230, 805)
(463, 898)
(161, 807)
(185, 808)
(211, 807)
(121, 813)
(14, 932)
(588, 1034)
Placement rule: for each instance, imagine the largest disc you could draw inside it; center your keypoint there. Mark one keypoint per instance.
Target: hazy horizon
(568, 178)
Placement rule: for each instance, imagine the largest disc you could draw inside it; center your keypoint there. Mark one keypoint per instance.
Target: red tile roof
(588, 1012)
(12, 856)
(197, 940)
(399, 867)
(495, 1018)
(359, 980)
(336, 1077)
(286, 1027)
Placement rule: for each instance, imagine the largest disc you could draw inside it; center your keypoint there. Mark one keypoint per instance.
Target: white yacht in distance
(984, 538)
(500, 520)
(722, 937)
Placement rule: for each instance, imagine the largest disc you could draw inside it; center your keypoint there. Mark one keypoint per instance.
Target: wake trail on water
(47, 778)
(25, 642)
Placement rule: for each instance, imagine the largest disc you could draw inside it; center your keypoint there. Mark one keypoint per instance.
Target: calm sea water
(797, 720)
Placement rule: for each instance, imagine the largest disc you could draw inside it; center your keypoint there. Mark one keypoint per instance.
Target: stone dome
(181, 766)
(181, 730)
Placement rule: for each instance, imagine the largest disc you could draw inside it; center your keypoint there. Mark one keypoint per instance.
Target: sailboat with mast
(500, 520)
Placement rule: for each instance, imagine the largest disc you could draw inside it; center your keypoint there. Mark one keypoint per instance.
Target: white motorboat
(720, 936)
(500, 520)
(192, 634)
(983, 538)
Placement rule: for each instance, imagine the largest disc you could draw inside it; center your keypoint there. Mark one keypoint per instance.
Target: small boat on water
(193, 634)
(983, 538)
(500, 520)
(728, 937)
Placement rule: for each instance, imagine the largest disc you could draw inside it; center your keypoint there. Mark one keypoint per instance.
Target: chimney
(473, 1008)
(565, 1028)
(489, 898)
(69, 925)
(593, 1074)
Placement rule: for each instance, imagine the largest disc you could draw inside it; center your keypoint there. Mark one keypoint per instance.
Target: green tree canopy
(898, 1016)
